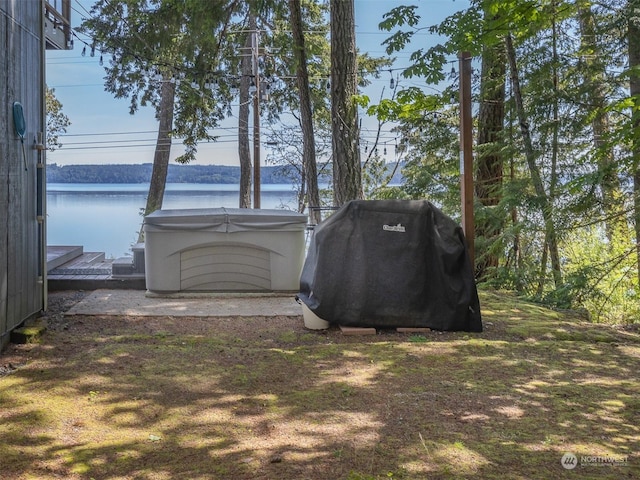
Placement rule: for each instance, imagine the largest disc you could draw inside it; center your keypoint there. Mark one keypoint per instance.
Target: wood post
(466, 153)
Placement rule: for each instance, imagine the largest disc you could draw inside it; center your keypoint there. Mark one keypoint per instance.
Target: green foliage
(380, 179)
(410, 104)
(430, 167)
(577, 106)
(186, 43)
(600, 277)
(399, 16)
(57, 121)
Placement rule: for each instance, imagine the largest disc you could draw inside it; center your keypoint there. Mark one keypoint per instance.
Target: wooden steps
(82, 263)
(71, 268)
(59, 255)
(131, 266)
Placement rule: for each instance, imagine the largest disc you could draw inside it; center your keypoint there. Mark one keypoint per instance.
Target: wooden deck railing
(58, 24)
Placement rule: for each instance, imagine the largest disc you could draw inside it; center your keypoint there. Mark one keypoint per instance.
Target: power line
(102, 147)
(98, 142)
(105, 133)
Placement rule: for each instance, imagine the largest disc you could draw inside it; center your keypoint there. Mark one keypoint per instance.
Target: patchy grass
(163, 398)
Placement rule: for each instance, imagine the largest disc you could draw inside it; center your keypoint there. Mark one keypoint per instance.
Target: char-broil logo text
(394, 228)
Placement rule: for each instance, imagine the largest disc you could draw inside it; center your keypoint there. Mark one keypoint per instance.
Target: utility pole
(466, 154)
(256, 119)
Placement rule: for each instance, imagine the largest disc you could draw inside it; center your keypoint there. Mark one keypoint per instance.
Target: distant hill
(141, 173)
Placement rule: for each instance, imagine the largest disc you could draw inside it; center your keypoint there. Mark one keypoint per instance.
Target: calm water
(106, 217)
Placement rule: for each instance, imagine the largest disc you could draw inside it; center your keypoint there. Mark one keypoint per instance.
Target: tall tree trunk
(555, 146)
(543, 269)
(515, 251)
(634, 90)
(162, 152)
(536, 178)
(595, 87)
(244, 150)
(347, 174)
(309, 166)
(489, 160)
(550, 237)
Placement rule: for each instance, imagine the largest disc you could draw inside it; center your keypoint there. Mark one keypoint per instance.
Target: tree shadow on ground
(133, 398)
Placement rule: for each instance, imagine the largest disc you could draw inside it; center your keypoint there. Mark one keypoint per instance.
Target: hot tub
(224, 249)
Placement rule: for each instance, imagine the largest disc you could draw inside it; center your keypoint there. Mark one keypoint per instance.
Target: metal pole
(256, 122)
(466, 153)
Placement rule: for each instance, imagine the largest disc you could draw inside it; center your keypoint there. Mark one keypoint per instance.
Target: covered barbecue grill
(388, 264)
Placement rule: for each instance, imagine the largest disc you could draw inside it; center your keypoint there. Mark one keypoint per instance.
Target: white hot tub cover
(225, 219)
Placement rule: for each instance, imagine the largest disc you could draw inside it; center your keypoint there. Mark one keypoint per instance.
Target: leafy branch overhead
(185, 44)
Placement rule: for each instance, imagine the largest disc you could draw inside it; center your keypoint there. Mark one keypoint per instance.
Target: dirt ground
(117, 397)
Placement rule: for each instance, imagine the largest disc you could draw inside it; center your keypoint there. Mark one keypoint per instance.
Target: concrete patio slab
(142, 303)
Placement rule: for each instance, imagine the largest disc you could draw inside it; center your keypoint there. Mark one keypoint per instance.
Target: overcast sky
(102, 131)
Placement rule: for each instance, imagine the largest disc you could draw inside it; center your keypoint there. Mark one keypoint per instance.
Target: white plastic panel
(225, 267)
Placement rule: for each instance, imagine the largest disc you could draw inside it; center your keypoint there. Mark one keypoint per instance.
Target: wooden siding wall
(21, 236)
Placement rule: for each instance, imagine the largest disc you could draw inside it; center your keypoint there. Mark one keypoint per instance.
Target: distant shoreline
(179, 188)
(177, 173)
(141, 174)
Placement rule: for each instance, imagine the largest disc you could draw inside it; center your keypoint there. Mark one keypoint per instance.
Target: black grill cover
(388, 264)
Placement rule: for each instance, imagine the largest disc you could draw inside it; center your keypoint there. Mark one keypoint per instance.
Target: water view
(106, 217)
